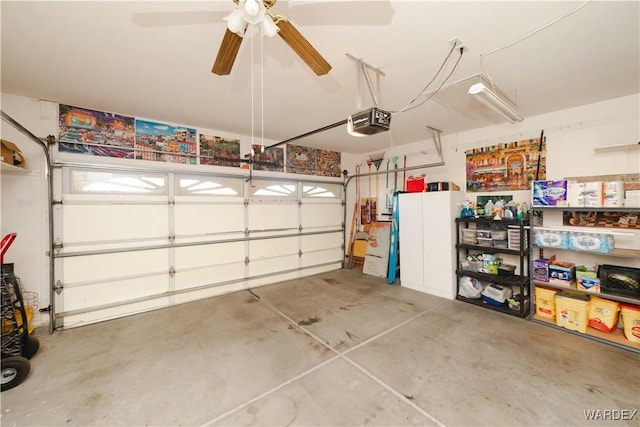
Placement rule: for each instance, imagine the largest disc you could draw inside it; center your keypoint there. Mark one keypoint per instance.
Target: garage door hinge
(246, 202)
(246, 260)
(300, 228)
(172, 271)
(300, 253)
(246, 232)
(299, 203)
(172, 239)
(56, 202)
(58, 287)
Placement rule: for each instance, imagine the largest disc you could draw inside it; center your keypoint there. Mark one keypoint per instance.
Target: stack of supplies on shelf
(587, 278)
(561, 272)
(632, 198)
(592, 242)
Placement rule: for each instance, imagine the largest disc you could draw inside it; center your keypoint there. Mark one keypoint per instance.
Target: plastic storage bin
(572, 311)
(618, 280)
(545, 302)
(603, 314)
(631, 322)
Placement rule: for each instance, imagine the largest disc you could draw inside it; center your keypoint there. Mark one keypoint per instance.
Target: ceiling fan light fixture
(253, 11)
(483, 94)
(269, 28)
(236, 23)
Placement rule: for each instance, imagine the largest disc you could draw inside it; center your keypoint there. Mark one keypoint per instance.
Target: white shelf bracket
(435, 135)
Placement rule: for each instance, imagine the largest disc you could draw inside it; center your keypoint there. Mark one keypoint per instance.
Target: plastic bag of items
(470, 287)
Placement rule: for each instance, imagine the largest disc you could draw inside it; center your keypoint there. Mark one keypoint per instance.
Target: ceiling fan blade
(227, 53)
(302, 47)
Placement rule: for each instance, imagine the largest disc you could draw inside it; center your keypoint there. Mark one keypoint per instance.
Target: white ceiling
(152, 59)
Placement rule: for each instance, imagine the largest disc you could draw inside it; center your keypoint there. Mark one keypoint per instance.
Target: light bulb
(262, 148)
(253, 152)
(251, 7)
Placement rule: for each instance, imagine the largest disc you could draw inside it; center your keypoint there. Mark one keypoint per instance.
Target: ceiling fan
(256, 12)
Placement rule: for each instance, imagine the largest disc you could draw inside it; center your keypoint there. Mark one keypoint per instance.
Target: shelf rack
(616, 337)
(519, 281)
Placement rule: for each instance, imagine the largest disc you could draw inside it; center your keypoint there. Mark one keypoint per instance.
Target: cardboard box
(540, 270)
(561, 272)
(549, 193)
(12, 155)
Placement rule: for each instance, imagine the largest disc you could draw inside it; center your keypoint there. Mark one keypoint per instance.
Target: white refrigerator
(427, 241)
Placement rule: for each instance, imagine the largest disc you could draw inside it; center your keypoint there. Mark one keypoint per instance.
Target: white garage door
(131, 240)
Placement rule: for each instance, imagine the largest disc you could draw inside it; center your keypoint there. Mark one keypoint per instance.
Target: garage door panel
(111, 220)
(209, 293)
(321, 215)
(75, 320)
(273, 247)
(92, 296)
(321, 241)
(94, 268)
(208, 276)
(269, 216)
(205, 255)
(321, 257)
(87, 223)
(269, 266)
(202, 219)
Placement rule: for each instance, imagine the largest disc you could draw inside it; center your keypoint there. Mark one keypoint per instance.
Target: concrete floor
(340, 348)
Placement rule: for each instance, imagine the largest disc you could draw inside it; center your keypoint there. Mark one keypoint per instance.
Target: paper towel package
(613, 194)
(593, 194)
(575, 194)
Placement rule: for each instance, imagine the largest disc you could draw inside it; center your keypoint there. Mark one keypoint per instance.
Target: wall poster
(312, 161)
(271, 160)
(165, 143)
(505, 167)
(218, 151)
(85, 131)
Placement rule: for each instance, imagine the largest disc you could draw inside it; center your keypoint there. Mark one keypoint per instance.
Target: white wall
(571, 136)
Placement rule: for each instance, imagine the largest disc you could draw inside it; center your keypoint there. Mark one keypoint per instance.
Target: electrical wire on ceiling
(526, 36)
(455, 67)
(410, 105)
(444, 63)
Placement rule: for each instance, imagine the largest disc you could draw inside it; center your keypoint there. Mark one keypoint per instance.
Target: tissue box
(593, 194)
(549, 193)
(561, 272)
(587, 278)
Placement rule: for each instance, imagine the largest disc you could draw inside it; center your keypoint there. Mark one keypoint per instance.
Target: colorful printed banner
(215, 150)
(84, 131)
(506, 167)
(313, 161)
(271, 160)
(159, 141)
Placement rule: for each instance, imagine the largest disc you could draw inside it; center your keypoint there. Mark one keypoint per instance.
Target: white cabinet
(427, 241)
